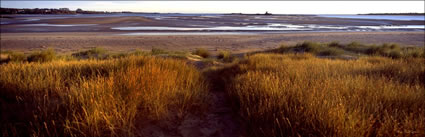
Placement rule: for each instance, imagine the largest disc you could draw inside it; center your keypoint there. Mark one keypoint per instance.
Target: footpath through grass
(288, 91)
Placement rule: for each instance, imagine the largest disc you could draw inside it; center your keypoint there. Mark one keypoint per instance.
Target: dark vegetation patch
(202, 52)
(394, 51)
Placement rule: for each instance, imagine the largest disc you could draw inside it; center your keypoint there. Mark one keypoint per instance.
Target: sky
(276, 7)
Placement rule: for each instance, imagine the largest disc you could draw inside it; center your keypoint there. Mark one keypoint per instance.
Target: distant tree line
(49, 11)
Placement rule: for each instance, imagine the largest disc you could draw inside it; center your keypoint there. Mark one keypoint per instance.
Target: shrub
(42, 56)
(413, 52)
(202, 52)
(156, 51)
(355, 44)
(10, 56)
(334, 44)
(94, 53)
(395, 54)
(331, 52)
(226, 56)
(312, 47)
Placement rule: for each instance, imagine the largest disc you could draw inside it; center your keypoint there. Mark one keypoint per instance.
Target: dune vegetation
(300, 95)
(95, 97)
(308, 89)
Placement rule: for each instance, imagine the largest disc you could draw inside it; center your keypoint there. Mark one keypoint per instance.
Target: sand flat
(98, 20)
(74, 41)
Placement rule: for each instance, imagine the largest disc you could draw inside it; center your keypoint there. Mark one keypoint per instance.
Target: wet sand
(65, 42)
(71, 33)
(105, 23)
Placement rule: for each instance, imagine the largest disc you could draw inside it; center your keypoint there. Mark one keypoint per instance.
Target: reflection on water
(274, 27)
(379, 17)
(220, 28)
(186, 33)
(58, 25)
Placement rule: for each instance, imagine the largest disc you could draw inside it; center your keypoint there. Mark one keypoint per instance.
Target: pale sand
(65, 42)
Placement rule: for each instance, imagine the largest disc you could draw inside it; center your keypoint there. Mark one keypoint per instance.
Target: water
(185, 33)
(57, 25)
(149, 15)
(379, 17)
(273, 27)
(220, 28)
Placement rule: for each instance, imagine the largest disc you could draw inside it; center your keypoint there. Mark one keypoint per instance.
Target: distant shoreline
(401, 14)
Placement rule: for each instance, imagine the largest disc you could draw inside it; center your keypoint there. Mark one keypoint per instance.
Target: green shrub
(334, 44)
(355, 44)
(92, 53)
(312, 47)
(395, 54)
(331, 52)
(42, 56)
(156, 51)
(10, 56)
(413, 52)
(202, 52)
(138, 53)
(226, 56)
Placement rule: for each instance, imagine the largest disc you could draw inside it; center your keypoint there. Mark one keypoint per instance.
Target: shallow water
(379, 17)
(273, 27)
(58, 25)
(185, 33)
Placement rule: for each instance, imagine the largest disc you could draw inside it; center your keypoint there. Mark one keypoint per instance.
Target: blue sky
(283, 7)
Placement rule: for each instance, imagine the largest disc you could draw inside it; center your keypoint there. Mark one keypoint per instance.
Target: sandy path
(217, 121)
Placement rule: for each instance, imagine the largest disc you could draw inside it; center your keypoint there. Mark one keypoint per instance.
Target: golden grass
(93, 97)
(300, 95)
(275, 95)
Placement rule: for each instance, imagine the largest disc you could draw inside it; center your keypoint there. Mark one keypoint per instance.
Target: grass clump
(95, 97)
(300, 95)
(202, 52)
(10, 56)
(226, 56)
(156, 51)
(42, 56)
(312, 47)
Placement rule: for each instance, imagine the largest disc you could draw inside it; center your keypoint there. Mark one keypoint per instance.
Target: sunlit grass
(300, 95)
(93, 97)
(296, 92)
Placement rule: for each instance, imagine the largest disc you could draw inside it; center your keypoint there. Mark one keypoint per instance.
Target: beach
(186, 32)
(66, 42)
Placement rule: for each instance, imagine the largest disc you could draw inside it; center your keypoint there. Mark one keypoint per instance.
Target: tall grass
(300, 95)
(95, 97)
